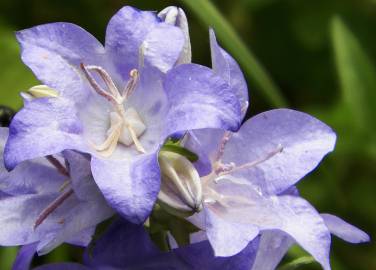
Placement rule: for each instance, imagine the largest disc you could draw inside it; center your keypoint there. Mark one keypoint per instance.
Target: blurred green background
(316, 56)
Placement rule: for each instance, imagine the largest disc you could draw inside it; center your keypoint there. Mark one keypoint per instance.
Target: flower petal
(176, 16)
(71, 218)
(199, 99)
(200, 256)
(83, 238)
(44, 126)
(150, 101)
(18, 215)
(129, 185)
(24, 257)
(123, 245)
(54, 52)
(162, 47)
(27, 177)
(82, 180)
(273, 246)
(125, 33)
(295, 143)
(344, 230)
(206, 144)
(227, 238)
(226, 67)
(289, 214)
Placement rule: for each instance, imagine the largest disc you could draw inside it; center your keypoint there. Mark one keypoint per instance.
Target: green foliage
(297, 263)
(357, 75)
(256, 73)
(14, 76)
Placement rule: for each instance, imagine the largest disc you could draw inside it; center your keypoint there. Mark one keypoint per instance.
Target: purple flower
(49, 205)
(250, 186)
(128, 246)
(117, 103)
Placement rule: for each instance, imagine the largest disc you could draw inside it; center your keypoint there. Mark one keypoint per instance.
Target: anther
(131, 85)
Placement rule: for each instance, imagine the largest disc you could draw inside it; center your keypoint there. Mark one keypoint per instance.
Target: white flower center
(126, 125)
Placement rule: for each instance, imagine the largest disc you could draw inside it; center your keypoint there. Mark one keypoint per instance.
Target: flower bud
(176, 16)
(181, 190)
(40, 91)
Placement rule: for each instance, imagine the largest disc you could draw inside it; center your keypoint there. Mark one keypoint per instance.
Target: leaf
(256, 73)
(357, 75)
(295, 264)
(14, 75)
(7, 257)
(175, 148)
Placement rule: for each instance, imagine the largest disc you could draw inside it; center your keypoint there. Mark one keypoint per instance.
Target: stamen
(106, 78)
(119, 117)
(56, 163)
(253, 163)
(52, 207)
(97, 87)
(136, 141)
(226, 137)
(113, 137)
(131, 85)
(65, 185)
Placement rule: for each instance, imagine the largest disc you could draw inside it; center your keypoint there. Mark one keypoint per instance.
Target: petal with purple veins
(227, 238)
(59, 48)
(129, 185)
(273, 246)
(162, 47)
(44, 126)
(199, 99)
(288, 145)
(226, 67)
(289, 214)
(125, 33)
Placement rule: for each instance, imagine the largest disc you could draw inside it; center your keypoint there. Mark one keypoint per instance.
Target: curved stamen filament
(107, 79)
(112, 138)
(136, 141)
(249, 165)
(100, 91)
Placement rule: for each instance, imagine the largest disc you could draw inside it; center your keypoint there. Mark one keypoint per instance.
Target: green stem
(257, 74)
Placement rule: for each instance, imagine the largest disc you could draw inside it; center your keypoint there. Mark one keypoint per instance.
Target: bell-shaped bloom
(249, 186)
(117, 102)
(48, 205)
(128, 246)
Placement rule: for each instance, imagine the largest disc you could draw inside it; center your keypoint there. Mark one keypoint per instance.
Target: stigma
(126, 125)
